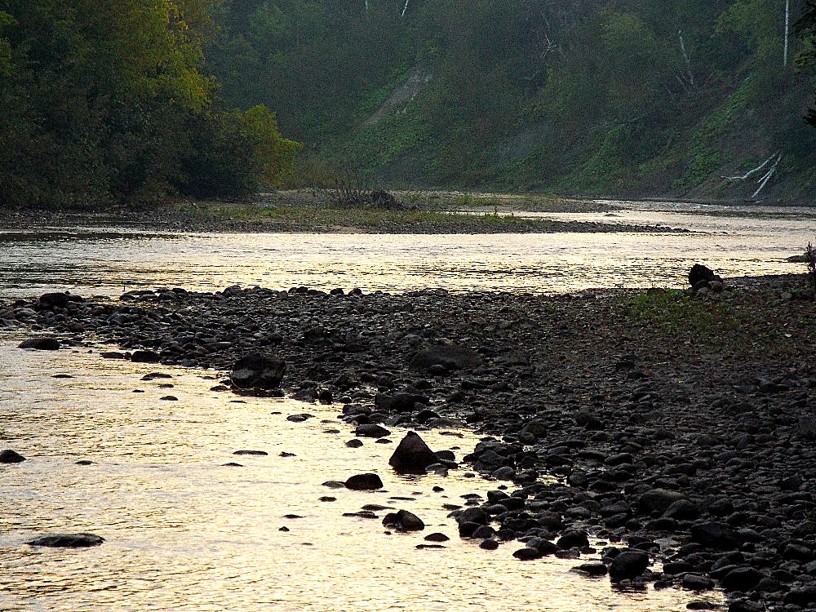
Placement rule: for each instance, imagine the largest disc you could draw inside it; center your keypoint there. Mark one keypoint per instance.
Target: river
(185, 531)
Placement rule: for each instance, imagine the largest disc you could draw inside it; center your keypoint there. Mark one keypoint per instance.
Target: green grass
(364, 218)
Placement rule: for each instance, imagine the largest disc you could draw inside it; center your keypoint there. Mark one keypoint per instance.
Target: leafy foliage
(107, 102)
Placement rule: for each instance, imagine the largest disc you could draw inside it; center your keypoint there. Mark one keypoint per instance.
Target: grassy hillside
(608, 98)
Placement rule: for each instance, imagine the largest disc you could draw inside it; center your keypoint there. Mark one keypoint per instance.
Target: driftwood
(773, 160)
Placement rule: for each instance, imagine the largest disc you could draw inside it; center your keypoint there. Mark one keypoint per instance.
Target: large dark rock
(257, 371)
(40, 344)
(144, 356)
(575, 538)
(403, 521)
(10, 456)
(412, 455)
(449, 356)
(702, 279)
(741, 578)
(657, 501)
(364, 482)
(628, 564)
(371, 430)
(58, 299)
(398, 402)
(714, 535)
(68, 540)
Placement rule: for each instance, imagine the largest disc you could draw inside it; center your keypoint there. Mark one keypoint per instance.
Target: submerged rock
(10, 456)
(67, 540)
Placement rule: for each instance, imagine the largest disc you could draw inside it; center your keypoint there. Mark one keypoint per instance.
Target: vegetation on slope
(620, 97)
(111, 102)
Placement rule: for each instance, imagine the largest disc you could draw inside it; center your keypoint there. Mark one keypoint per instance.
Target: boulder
(714, 535)
(67, 540)
(743, 578)
(364, 482)
(657, 501)
(701, 277)
(145, 356)
(450, 356)
(40, 344)
(10, 456)
(398, 402)
(412, 455)
(58, 299)
(257, 371)
(371, 430)
(628, 564)
(403, 521)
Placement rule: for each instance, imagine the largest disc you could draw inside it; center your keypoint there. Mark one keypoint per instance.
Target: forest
(139, 101)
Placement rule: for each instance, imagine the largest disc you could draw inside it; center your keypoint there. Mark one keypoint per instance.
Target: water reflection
(186, 532)
(550, 263)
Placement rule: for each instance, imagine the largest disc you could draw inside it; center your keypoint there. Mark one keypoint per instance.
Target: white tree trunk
(787, 27)
(404, 8)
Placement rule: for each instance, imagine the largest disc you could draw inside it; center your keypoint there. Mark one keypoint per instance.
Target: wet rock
(257, 371)
(573, 539)
(257, 453)
(10, 456)
(364, 482)
(412, 455)
(628, 564)
(371, 430)
(697, 582)
(593, 570)
(354, 443)
(144, 356)
(437, 537)
(451, 357)
(299, 418)
(403, 521)
(489, 544)
(40, 344)
(527, 554)
(67, 540)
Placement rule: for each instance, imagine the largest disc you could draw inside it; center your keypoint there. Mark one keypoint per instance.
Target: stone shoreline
(676, 425)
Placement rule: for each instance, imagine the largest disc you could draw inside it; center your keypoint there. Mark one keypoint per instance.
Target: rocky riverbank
(679, 428)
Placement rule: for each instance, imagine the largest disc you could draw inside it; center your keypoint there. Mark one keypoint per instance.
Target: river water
(108, 261)
(185, 531)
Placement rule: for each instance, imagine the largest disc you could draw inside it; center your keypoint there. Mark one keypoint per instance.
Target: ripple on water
(183, 531)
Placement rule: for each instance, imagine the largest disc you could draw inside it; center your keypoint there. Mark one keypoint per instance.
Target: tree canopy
(105, 102)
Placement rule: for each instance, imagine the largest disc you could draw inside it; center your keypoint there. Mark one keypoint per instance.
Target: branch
(750, 173)
(767, 177)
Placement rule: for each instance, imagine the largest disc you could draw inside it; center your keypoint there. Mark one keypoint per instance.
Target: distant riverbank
(323, 211)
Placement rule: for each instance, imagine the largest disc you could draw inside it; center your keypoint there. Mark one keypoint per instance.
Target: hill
(596, 97)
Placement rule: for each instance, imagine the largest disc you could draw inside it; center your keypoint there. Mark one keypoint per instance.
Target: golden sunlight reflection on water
(185, 532)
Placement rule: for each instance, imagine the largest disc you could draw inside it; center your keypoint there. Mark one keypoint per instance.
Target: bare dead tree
(404, 8)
